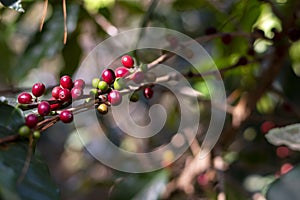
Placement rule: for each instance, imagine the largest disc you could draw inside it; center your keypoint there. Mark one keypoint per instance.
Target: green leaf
(141, 186)
(47, 43)
(286, 187)
(288, 135)
(37, 183)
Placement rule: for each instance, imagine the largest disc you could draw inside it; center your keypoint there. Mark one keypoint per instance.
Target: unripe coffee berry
(66, 116)
(76, 92)
(121, 72)
(79, 83)
(25, 98)
(119, 84)
(31, 120)
(148, 92)
(138, 77)
(44, 108)
(66, 82)
(38, 89)
(94, 92)
(108, 76)
(95, 82)
(103, 86)
(114, 97)
(24, 131)
(127, 61)
(36, 134)
(102, 108)
(134, 97)
(55, 92)
(65, 95)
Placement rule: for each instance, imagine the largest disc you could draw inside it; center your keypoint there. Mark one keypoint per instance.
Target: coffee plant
(59, 71)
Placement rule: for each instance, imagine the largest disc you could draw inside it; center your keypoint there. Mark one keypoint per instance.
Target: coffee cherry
(38, 89)
(134, 97)
(79, 83)
(103, 86)
(242, 61)
(210, 31)
(108, 76)
(121, 72)
(102, 108)
(55, 92)
(64, 95)
(114, 97)
(66, 82)
(119, 84)
(94, 92)
(44, 108)
(76, 92)
(266, 126)
(148, 92)
(24, 131)
(66, 116)
(54, 106)
(127, 61)
(138, 77)
(25, 98)
(226, 38)
(31, 120)
(36, 134)
(95, 82)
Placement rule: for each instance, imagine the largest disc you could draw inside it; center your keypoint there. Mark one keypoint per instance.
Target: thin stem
(44, 14)
(65, 21)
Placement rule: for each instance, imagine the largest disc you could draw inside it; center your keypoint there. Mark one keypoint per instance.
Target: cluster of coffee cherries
(110, 83)
(62, 96)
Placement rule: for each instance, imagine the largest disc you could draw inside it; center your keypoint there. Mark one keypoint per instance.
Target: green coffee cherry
(36, 134)
(24, 131)
(95, 82)
(119, 84)
(103, 86)
(102, 108)
(134, 97)
(94, 92)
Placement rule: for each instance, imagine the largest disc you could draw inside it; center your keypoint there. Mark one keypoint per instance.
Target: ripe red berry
(79, 83)
(138, 77)
(66, 82)
(226, 38)
(25, 98)
(38, 89)
(121, 72)
(108, 76)
(44, 108)
(31, 120)
(266, 126)
(76, 92)
(55, 92)
(114, 97)
(127, 61)
(148, 92)
(55, 106)
(65, 95)
(66, 116)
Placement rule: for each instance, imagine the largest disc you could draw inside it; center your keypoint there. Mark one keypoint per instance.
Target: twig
(44, 14)
(65, 21)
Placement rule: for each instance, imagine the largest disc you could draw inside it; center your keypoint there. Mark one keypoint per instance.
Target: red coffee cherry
(66, 116)
(38, 89)
(138, 77)
(114, 97)
(121, 72)
(66, 82)
(148, 92)
(79, 83)
(226, 38)
(44, 108)
(76, 92)
(55, 92)
(31, 120)
(25, 98)
(55, 106)
(127, 61)
(64, 95)
(108, 76)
